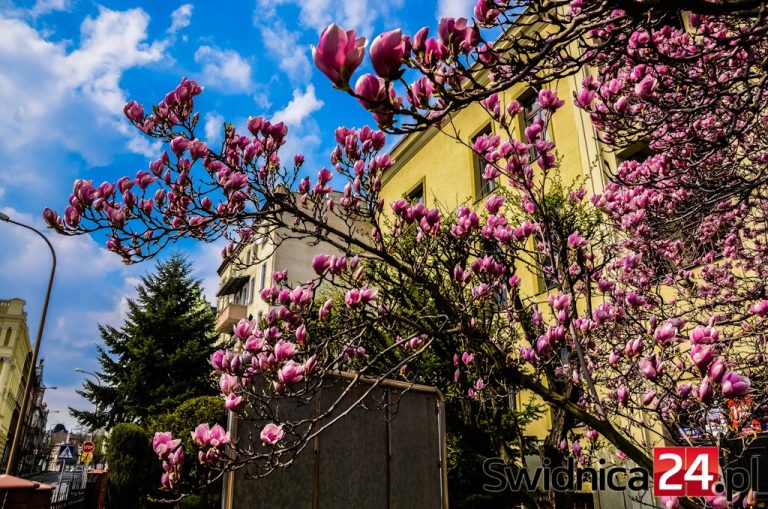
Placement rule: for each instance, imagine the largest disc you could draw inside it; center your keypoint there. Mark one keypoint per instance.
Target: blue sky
(66, 69)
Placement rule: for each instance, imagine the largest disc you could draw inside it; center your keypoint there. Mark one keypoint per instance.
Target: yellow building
(15, 352)
(431, 166)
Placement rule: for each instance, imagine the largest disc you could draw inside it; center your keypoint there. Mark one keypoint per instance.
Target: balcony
(229, 316)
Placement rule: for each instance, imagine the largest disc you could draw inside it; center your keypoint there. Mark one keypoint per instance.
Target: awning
(232, 285)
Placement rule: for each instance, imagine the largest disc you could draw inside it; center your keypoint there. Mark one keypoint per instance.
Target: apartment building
(250, 267)
(15, 354)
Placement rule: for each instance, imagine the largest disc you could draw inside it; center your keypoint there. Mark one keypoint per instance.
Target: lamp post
(11, 466)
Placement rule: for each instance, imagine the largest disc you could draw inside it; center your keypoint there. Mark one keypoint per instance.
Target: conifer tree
(159, 357)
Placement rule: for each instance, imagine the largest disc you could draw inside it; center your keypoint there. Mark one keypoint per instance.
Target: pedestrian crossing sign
(67, 452)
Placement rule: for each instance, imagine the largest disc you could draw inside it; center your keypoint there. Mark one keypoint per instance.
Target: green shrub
(134, 470)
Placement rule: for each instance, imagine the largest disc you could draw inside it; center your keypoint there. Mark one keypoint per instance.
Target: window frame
(481, 187)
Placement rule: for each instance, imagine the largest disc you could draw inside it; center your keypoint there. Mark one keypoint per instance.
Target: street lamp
(11, 466)
(94, 375)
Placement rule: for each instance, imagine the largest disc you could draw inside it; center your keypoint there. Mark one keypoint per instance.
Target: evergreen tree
(159, 357)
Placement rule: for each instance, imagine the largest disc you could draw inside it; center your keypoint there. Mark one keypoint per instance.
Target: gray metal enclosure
(388, 453)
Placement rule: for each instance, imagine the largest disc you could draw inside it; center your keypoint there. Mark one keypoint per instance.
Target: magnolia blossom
(735, 385)
(338, 54)
(387, 52)
(272, 433)
(163, 443)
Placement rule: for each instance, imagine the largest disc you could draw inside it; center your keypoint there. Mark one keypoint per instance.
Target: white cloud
(226, 70)
(317, 14)
(59, 400)
(207, 258)
(181, 18)
(46, 6)
(89, 288)
(300, 107)
(213, 126)
(454, 8)
(303, 133)
(72, 99)
(284, 47)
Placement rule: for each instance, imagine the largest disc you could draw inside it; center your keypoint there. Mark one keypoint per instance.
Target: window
(532, 112)
(244, 295)
(482, 186)
(251, 287)
(416, 195)
(546, 276)
(263, 276)
(8, 333)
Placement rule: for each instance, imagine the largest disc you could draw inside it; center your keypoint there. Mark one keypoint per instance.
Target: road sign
(67, 452)
(86, 457)
(88, 446)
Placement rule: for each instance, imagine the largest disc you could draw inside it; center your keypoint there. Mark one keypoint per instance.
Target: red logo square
(685, 471)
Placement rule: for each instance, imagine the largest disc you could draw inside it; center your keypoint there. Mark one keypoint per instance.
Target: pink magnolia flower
(665, 333)
(485, 13)
(218, 436)
(575, 240)
(134, 111)
(670, 502)
(549, 101)
(387, 53)
(301, 334)
(735, 385)
(176, 458)
(759, 308)
(718, 502)
(338, 54)
(705, 392)
(272, 433)
(228, 384)
(371, 90)
(650, 367)
(291, 373)
(163, 443)
(494, 203)
(649, 397)
(321, 262)
(717, 369)
(704, 335)
(243, 329)
(623, 395)
(233, 402)
(284, 350)
(702, 356)
(325, 310)
(310, 365)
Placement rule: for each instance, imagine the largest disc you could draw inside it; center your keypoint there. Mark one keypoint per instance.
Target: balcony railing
(229, 316)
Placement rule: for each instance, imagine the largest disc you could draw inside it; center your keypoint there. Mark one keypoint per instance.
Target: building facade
(15, 355)
(250, 267)
(33, 452)
(432, 167)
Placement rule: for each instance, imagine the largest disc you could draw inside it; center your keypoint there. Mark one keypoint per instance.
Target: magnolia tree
(654, 317)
